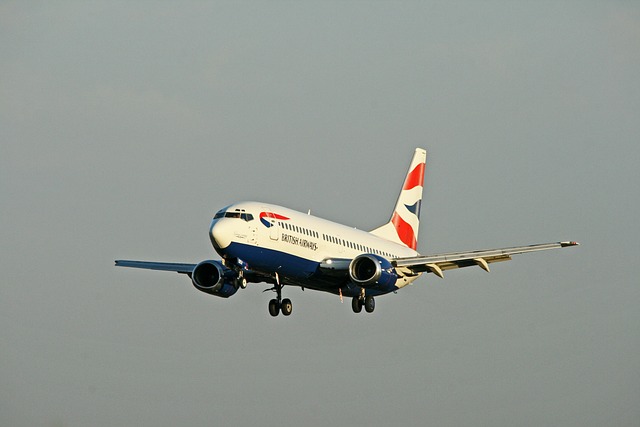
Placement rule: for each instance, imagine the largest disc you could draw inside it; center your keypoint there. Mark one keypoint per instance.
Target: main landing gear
(278, 304)
(358, 302)
(275, 307)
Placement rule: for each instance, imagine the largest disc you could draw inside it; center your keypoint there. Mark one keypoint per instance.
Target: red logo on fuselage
(266, 222)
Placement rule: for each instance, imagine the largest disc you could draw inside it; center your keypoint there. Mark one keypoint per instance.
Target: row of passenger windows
(355, 246)
(332, 239)
(301, 230)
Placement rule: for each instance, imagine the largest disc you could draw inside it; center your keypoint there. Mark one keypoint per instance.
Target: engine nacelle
(372, 271)
(213, 278)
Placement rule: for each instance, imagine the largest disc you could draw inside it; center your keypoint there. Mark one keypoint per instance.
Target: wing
(164, 266)
(436, 264)
(187, 269)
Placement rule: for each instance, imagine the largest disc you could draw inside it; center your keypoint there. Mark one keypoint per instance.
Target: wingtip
(565, 244)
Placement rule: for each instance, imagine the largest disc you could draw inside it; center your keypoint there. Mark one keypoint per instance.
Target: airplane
(264, 243)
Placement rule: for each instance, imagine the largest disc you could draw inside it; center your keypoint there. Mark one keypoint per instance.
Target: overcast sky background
(125, 126)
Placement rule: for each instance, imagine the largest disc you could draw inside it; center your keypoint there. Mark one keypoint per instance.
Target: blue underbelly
(294, 270)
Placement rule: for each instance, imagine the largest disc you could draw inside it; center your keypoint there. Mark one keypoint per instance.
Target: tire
(274, 307)
(369, 304)
(356, 305)
(286, 307)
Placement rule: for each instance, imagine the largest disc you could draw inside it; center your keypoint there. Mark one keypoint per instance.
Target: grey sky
(124, 127)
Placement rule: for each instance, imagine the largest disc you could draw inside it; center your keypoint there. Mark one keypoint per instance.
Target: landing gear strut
(278, 304)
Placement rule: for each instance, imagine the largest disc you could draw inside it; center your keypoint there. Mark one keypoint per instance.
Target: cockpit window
(237, 213)
(242, 215)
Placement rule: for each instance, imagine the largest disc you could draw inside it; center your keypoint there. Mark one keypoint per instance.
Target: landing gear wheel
(356, 304)
(369, 304)
(274, 307)
(241, 282)
(286, 307)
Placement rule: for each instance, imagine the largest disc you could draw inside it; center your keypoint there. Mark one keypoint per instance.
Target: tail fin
(403, 226)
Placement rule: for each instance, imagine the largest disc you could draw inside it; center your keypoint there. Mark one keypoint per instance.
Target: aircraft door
(274, 226)
(274, 230)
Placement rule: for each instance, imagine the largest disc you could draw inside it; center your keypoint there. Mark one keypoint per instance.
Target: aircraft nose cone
(220, 234)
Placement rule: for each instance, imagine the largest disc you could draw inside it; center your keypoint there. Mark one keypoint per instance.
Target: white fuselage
(274, 239)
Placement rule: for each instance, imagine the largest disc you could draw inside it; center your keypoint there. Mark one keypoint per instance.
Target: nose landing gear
(241, 281)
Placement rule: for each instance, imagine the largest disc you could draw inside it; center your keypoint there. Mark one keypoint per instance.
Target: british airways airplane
(265, 243)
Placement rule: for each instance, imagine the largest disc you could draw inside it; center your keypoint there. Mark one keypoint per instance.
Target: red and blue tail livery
(264, 243)
(403, 226)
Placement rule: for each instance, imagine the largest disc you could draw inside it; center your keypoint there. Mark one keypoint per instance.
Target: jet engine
(213, 278)
(372, 271)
